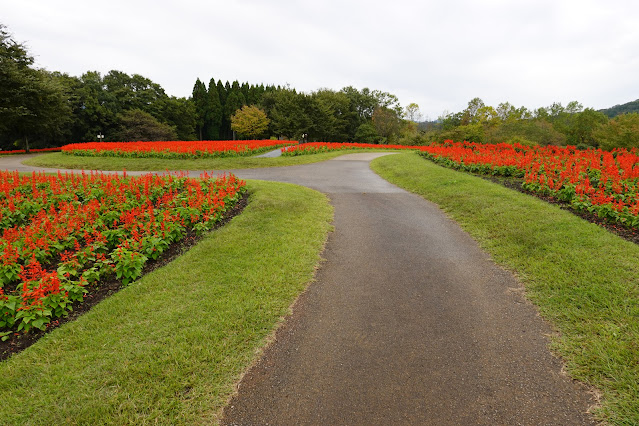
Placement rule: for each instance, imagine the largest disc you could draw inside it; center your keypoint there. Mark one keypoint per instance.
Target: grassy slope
(583, 279)
(59, 160)
(169, 348)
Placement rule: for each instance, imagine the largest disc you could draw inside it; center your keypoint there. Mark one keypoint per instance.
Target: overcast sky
(439, 54)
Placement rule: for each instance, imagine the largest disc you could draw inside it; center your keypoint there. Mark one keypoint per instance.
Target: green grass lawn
(59, 160)
(169, 348)
(583, 279)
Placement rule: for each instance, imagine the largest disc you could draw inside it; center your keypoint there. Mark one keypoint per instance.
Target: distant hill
(621, 109)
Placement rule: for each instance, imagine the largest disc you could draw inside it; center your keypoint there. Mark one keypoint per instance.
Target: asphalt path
(408, 322)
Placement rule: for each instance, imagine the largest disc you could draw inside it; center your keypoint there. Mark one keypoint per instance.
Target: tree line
(323, 115)
(552, 125)
(45, 109)
(40, 109)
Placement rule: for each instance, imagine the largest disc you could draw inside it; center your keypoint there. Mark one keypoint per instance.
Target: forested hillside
(628, 107)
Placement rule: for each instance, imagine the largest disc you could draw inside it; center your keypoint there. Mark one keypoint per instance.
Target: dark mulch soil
(624, 232)
(103, 289)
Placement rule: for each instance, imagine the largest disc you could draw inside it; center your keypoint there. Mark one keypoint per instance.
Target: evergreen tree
(200, 101)
(234, 102)
(214, 114)
(245, 90)
(222, 93)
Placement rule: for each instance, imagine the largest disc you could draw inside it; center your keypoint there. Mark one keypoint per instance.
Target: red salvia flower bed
(22, 151)
(316, 147)
(599, 182)
(62, 233)
(175, 149)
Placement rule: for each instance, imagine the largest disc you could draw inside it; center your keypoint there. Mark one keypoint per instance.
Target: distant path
(271, 154)
(408, 322)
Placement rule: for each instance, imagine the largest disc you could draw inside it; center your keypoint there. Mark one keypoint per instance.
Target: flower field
(174, 149)
(22, 151)
(600, 182)
(62, 233)
(317, 147)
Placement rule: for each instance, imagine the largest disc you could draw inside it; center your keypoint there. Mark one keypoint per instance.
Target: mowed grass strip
(65, 161)
(583, 279)
(169, 348)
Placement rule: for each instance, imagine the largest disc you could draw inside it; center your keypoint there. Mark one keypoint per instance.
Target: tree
(137, 125)
(288, 113)
(542, 113)
(221, 91)
(200, 101)
(34, 102)
(363, 102)
(562, 118)
(366, 133)
(388, 101)
(474, 132)
(469, 115)
(331, 114)
(583, 126)
(409, 133)
(538, 132)
(180, 114)
(387, 123)
(234, 102)
(451, 120)
(412, 112)
(132, 92)
(620, 132)
(250, 122)
(487, 116)
(213, 123)
(555, 110)
(574, 107)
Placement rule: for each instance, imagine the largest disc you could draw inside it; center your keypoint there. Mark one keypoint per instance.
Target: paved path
(408, 322)
(271, 154)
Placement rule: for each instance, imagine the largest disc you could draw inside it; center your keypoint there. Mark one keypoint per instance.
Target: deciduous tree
(34, 103)
(387, 123)
(412, 112)
(250, 122)
(137, 125)
(620, 132)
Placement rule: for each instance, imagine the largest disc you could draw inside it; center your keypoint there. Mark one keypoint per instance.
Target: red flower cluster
(602, 182)
(60, 233)
(174, 149)
(316, 147)
(22, 151)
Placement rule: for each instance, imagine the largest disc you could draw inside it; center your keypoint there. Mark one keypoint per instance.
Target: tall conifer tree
(200, 100)
(214, 116)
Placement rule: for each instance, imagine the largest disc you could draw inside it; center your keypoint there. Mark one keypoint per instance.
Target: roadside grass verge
(170, 347)
(583, 279)
(65, 161)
